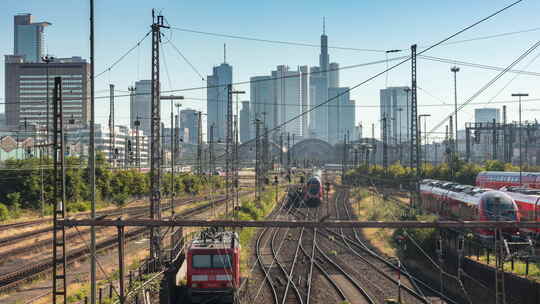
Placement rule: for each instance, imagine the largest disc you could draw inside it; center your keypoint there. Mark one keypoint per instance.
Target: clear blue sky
(360, 24)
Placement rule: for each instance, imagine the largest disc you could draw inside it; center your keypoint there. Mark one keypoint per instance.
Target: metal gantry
(155, 145)
(59, 198)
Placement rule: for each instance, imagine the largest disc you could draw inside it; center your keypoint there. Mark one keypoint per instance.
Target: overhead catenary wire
(186, 60)
(347, 91)
(487, 85)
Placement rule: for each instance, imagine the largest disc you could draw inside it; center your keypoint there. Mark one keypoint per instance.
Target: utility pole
(495, 140)
(288, 150)
(137, 124)
(407, 92)
(112, 143)
(59, 198)
(199, 143)
(92, 161)
(454, 70)
(520, 129)
(257, 160)
(385, 145)
(415, 145)
(211, 147)
(506, 141)
(155, 147)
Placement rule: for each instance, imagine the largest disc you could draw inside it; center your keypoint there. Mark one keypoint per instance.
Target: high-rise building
(288, 99)
(26, 89)
(304, 87)
(262, 99)
(394, 107)
(189, 120)
(487, 115)
(318, 93)
(333, 75)
(217, 96)
(341, 114)
(142, 105)
(28, 38)
(245, 122)
(323, 77)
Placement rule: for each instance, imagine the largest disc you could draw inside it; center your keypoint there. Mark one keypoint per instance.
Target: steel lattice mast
(155, 147)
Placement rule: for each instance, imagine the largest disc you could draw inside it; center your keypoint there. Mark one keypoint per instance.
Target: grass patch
(251, 211)
(519, 266)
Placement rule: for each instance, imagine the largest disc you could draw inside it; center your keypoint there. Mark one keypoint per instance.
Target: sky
(376, 25)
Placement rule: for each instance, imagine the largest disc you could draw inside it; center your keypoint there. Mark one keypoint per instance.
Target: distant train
(213, 267)
(312, 193)
(498, 179)
(466, 202)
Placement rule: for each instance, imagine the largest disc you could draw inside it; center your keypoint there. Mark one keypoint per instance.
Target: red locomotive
(213, 267)
(313, 190)
(470, 203)
(499, 179)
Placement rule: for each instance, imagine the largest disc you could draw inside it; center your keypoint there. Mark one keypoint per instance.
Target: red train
(498, 179)
(528, 202)
(313, 190)
(213, 267)
(470, 203)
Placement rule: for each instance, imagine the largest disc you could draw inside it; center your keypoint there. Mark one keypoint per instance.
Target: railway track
(11, 279)
(135, 212)
(353, 240)
(294, 260)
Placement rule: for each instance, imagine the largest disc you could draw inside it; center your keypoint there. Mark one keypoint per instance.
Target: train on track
(213, 267)
(466, 202)
(312, 192)
(499, 179)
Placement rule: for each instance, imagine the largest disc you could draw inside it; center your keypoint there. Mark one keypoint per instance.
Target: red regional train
(528, 202)
(313, 190)
(213, 267)
(470, 203)
(498, 179)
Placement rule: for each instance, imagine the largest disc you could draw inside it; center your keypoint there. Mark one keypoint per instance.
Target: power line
(487, 85)
(186, 60)
(272, 41)
(347, 91)
(477, 65)
(295, 43)
(124, 55)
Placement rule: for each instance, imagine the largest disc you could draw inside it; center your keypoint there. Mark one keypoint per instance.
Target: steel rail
(13, 278)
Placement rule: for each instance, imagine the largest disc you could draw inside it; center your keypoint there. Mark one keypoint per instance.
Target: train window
(202, 261)
(221, 261)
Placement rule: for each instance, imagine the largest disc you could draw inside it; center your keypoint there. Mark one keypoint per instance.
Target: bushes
(456, 170)
(21, 186)
(4, 212)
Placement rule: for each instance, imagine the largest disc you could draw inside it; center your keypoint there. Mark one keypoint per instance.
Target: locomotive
(466, 202)
(313, 190)
(213, 266)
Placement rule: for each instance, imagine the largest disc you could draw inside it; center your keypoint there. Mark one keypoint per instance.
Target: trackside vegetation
(22, 185)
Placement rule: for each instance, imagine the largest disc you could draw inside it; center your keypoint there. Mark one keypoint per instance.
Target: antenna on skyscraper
(323, 25)
(224, 53)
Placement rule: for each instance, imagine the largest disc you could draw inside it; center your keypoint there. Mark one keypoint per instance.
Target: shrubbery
(457, 170)
(21, 184)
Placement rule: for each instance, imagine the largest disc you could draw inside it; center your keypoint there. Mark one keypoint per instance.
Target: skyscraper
(288, 99)
(341, 114)
(26, 89)
(189, 120)
(262, 100)
(245, 122)
(217, 96)
(141, 105)
(28, 37)
(324, 76)
(304, 87)
(394, 106)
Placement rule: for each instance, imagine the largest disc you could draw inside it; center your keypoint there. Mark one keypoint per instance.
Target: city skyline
(435, 79)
